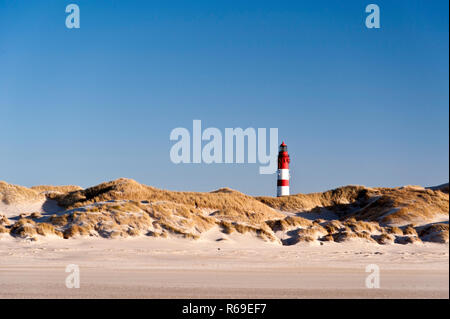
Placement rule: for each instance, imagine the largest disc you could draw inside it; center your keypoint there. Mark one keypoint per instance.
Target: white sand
(244, 267)
(44, 206)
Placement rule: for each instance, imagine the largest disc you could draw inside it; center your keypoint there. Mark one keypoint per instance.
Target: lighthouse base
(282, 191)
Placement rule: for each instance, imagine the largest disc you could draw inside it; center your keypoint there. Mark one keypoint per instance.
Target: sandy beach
(241, 267)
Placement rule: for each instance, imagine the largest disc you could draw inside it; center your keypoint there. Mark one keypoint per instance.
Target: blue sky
(355, 105)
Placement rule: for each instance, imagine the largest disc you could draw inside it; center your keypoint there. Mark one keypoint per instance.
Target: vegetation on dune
(4, 221)
(57, 189)
(384, 239)
(394, 230)
(125, 208)
(13, 194)
(437, 233)
(304, 202)
(389, 206)
(3, 229)
(288, 223)
(226, 202)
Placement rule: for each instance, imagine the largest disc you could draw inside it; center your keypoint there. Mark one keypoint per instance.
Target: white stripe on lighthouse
(283, 174)
(282, 190)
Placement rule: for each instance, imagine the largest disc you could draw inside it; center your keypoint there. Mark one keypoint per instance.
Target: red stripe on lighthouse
(283, 182)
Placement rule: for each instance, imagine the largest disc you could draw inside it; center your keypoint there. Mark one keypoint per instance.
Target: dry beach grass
(124, 208)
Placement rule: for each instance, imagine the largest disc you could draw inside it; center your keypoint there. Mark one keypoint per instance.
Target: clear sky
(355, 105)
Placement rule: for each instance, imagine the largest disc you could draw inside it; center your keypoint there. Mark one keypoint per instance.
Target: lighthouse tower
(283, 171)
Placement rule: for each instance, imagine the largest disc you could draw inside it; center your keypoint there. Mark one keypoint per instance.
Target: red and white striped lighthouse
(283, 171)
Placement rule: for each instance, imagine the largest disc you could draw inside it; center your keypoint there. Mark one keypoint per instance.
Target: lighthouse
(283, 171)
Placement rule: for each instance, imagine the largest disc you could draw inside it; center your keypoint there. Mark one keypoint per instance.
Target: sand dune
(123, 208)
(14, 194)
(389, 206)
